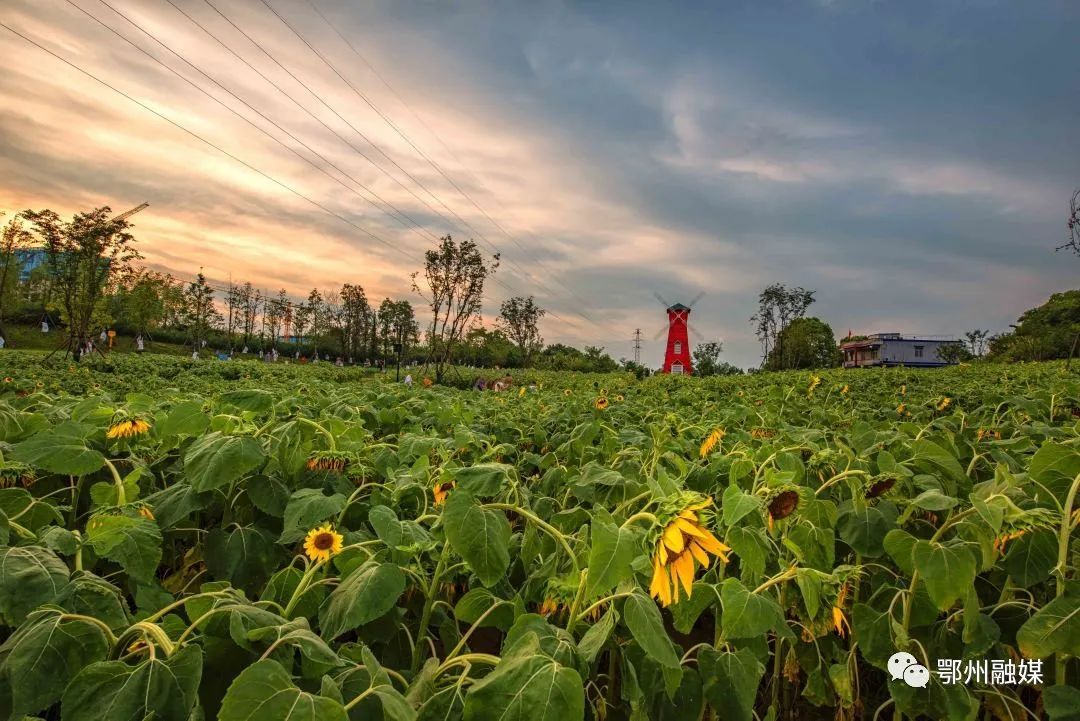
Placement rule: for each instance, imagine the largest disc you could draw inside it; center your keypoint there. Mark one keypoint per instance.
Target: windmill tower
(677, 351)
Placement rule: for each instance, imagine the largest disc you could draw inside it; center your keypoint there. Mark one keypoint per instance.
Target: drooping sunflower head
(427, 382)
(13, 472)
(558, 596)
(762, 433)
(441, 491)
(128, 428)
(815, 381)
(712, 441)
(566, 392)
(336, 461)
(683, 542)
(601, 403)
(782, 502)
(879, 487)
(844, 390)
(840, 622)
(945, 403)
(321, 543)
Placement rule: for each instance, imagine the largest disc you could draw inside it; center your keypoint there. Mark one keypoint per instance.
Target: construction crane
(131, 212)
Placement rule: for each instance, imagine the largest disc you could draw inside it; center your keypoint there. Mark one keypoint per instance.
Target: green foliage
(1048, 331)
(805, 343)
(495, 555)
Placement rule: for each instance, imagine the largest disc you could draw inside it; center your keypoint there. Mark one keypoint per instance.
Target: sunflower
(128, 428)
(322, 543)
(682, 544)
(844, 390)
(441, 491)
(839, 620)
(8, 379)
(782, 505)
(945, 403)
(815, 381)
(989, 434)
(711, 441)
(879, 487)
(1000, 541)
(900, 409)
(620, 398)
(521, 392)
(762, 432)
(146, 513)
(13, 472)
(427, 382)
(601, 403)
(328, 461)
(903, 390)
(566, 391)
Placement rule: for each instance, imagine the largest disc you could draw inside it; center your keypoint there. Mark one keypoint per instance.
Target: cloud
(905, 161)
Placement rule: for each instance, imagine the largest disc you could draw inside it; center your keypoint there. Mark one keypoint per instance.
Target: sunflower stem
(121, 496)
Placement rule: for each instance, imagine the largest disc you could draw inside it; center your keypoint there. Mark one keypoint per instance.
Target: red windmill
(677, 352)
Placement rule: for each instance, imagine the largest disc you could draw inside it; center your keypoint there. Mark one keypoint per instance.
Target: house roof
(679, 306)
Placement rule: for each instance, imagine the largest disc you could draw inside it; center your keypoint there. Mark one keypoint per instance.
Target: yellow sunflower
(815, 381)
(683, 543)
(441, 491)
(566, 391)
(844, 390)
(128, 428)
(322, 543)
(945, 403)
(711, 441)
(839, 620)
(601, 403)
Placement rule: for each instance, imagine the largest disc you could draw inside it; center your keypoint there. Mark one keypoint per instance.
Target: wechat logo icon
(904, 666)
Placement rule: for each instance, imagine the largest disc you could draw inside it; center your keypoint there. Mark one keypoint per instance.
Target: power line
(417, 227)
(429, 160)
(462, 222)
(203, 140)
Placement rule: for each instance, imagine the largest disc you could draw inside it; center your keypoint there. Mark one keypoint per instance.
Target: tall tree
(201, 314)
(15, 237)
(144, 302)
(707, 361)
(355, 315)
(1072, 224)
(454, 274)
(397, 322)
(520, 318)
(86, 257)
(804, 343)
(976, 340)
(778, 306)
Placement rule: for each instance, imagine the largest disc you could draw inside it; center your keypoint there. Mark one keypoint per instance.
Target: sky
(910, 161)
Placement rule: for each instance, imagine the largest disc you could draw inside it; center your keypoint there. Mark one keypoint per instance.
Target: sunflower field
(253, 542)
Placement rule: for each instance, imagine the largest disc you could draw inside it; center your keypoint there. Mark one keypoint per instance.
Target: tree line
(86, 275)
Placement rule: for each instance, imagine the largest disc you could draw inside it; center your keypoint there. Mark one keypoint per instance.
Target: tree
(707, 361)
(804, 343)
(954, 353)
(355, 316)
(976, 340)
(519, 318)
(397, 323)
(14, 238)
(145, 301)
(1072, 225)
(454, 274)
(86, 257)
(778, 306)
(1043, 333)
(200, 313)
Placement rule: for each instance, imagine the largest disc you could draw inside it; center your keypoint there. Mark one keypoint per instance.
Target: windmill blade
(697, 335)
(662, 299)
(661, 332)
(697, 297)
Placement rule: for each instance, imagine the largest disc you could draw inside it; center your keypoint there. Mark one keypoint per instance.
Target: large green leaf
(747, 614)
(737, 504)
(264, 691)
(643, 619)
(731, 681)
(481, 536)
(363, 596)
(947, 571)
(243, 555)
(1054, 627)
(186, 418)
(527, 687)
(216, 460)
(1031, 559)
(1055, 466)
(131, 540)
(62, 449)
(90, 595)
(610, 557)
(164, 689)
(482, 479)
(864, 529)
(29, 577)
(249, 399)
(175, 503)
(44, 654)
(306, 509)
